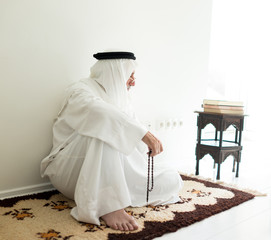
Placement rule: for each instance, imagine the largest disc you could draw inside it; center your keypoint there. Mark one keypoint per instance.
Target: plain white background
(46, 45)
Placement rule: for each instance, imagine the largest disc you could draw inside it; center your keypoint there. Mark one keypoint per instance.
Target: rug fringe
(248, 190)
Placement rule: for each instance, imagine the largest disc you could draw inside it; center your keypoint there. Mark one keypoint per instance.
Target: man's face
(131, 81)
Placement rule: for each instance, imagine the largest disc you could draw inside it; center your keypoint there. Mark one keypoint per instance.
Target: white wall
(240, 60)
(45, 45)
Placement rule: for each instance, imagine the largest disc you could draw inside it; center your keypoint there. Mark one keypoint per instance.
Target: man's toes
(114, 226)
(125, 227)
(130, 226)
(120, 227)
(134, 224)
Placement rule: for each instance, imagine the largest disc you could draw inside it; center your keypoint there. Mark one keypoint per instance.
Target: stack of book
(219, 106)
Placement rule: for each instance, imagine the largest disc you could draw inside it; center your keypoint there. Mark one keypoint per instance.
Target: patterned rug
(47, 215)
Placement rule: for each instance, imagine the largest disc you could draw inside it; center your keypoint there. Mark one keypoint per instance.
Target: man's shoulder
(82, 87)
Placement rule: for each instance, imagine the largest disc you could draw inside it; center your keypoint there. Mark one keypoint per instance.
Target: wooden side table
(218, 148)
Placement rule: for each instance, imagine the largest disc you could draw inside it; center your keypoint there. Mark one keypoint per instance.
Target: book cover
(223, 103)
(226, 111)
(222, 107)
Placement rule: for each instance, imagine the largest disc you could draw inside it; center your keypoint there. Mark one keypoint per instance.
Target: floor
(248, 221)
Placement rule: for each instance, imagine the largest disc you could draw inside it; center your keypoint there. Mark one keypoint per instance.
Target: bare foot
(120, 220)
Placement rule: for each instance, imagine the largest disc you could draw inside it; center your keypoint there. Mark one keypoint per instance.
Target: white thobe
(97, 158)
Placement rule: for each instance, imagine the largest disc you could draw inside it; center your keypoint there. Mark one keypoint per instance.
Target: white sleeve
(93, 117)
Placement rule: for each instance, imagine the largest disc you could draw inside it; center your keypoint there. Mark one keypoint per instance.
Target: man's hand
(153, 144)
(131, 81)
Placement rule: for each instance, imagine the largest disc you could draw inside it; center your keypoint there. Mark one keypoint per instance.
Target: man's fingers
(153, 143)
(161, 147)
(156, 149)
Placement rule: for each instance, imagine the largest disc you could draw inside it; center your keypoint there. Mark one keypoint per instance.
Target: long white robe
(99, 160)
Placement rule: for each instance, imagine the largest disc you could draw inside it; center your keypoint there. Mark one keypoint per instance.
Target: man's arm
(93, 117)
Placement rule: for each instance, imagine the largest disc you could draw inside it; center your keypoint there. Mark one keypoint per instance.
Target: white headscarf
(112, 75)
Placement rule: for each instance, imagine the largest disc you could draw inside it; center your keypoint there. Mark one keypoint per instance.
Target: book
(222, 107)
(226, 111)
(223, 103)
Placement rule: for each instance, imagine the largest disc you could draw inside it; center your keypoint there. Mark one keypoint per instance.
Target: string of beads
(150, 165)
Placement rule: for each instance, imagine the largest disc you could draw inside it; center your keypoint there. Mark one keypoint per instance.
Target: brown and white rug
(47, 215)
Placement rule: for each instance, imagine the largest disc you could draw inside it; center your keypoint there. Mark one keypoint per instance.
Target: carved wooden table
(218, 148)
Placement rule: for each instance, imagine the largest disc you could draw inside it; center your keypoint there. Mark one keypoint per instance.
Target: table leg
(220, 138)
(197, 168)
(199, 130)
(240, 138)
(199, 140)
(237, 171)
(238, 162)
(218, 171)
(233, 168)
(236, 134)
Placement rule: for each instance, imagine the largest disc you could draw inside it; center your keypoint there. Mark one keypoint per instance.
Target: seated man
(99, 155)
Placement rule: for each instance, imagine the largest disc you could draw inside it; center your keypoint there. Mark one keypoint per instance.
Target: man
(99, 156)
